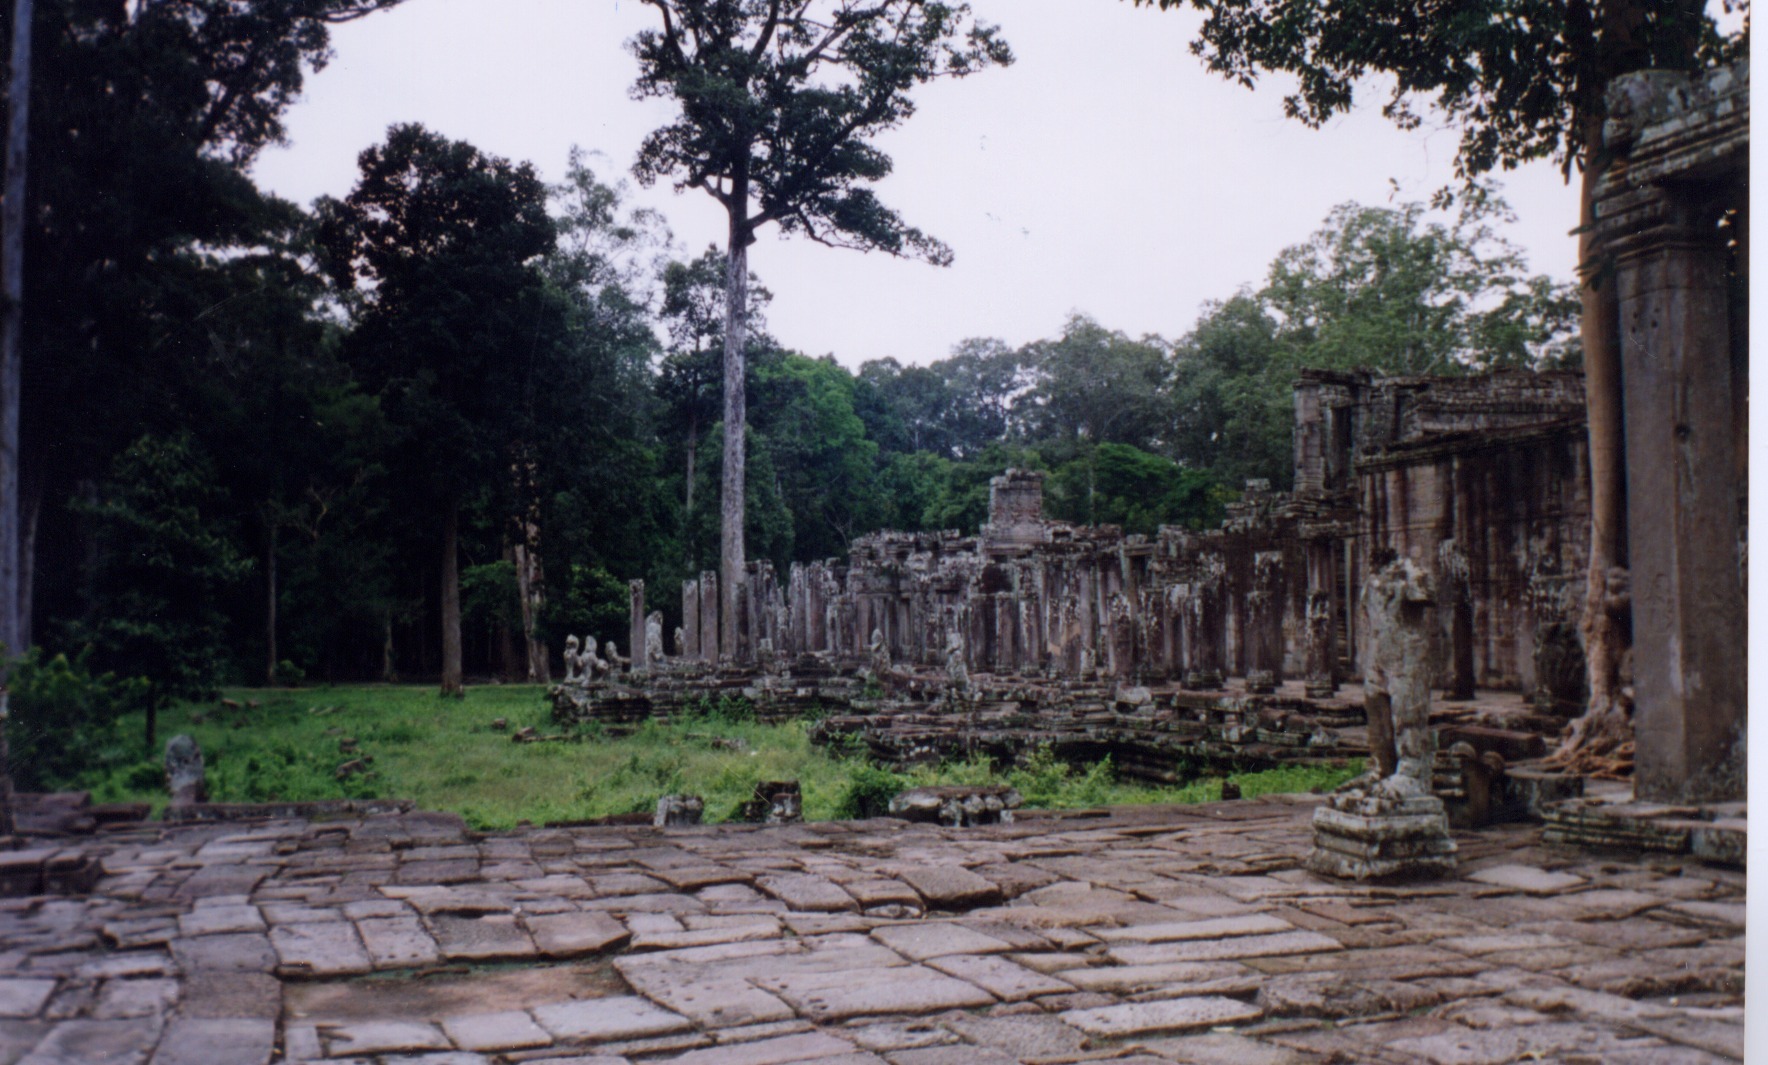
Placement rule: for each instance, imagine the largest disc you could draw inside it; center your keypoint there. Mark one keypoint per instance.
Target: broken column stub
(1388, 825)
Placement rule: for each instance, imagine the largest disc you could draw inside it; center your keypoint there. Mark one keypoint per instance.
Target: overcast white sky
(1105, 172)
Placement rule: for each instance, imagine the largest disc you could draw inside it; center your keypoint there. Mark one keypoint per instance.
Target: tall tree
(780, 107)
(438, 244)
(1524, 79)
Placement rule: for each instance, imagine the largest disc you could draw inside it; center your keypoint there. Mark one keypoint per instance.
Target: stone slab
(24, 998)
(1170, 1015)
(849, 993)
(569, 935)
(950, 887)
(804, 891)
(1225, 949)
(921, 941)
(397, 942)
(90, 1042)
(382, 1037)
(493, 937)
(605, 1020)
(1000, 977)
(1528, 878)
(503, 1030)
(801, 1047)
(1213, 928)
(326, 948)
(215, 1041)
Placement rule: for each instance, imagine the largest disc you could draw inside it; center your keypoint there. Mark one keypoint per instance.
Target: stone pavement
(1143, 935)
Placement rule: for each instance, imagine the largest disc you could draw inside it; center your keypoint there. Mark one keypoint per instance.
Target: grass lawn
(443, 753)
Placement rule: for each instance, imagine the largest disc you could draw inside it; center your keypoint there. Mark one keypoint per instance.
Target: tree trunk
(1605, 725)
(693, 444)
(531, 589)
(270, 659)
(389, 674)
(27, 559)
(731, 553)
(12, 290)
(452, 683)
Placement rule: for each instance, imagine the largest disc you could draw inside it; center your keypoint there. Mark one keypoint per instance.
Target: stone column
(1264, 622)
(638, 645)
(1455, 586)
(1688, 604)
(709, 617)
(1322, 665)
(690, 621)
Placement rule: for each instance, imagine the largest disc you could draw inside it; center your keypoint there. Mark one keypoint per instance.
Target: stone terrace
(1142, 935)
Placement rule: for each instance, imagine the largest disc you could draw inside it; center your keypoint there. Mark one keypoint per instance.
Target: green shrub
(289, 675)
(869, 791)
(64, 719)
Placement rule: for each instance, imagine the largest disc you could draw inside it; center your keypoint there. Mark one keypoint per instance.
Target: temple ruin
(1479, 480)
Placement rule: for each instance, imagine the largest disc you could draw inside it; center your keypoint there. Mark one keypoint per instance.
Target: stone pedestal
(1361, 835)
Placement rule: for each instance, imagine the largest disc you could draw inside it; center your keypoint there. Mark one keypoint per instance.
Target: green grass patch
(286, 744)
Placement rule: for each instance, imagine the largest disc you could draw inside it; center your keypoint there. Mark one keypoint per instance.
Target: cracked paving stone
(1168, 1015)
(606, 1020)
(504, 1030)
(203, 1041)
